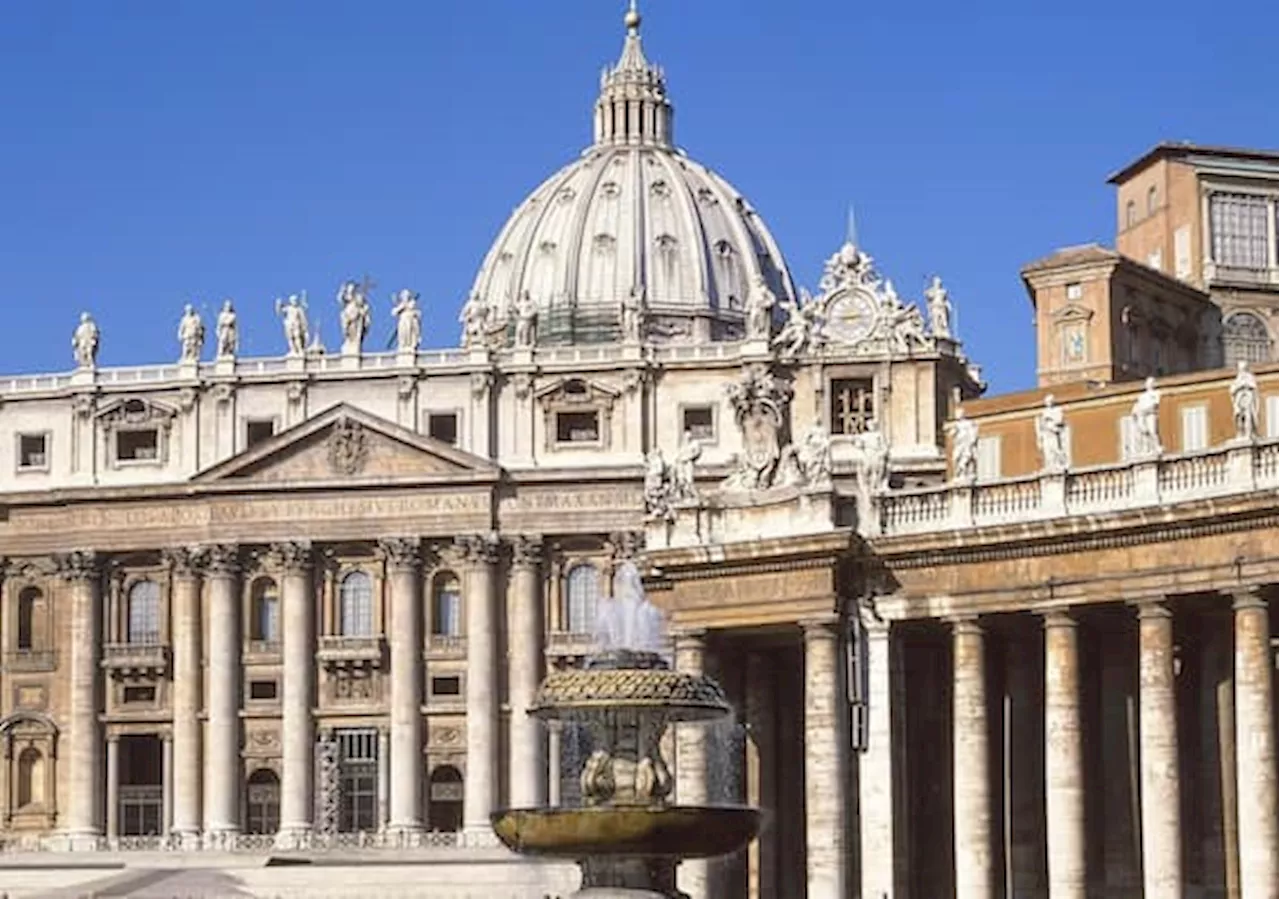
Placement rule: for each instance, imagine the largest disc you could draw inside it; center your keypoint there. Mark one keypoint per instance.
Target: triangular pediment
(1072, 312)
(344, 443)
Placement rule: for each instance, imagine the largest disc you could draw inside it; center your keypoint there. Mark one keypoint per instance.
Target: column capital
(222, 559)
(479, 549)
(689, 637)
(526, 551)
(77, 565)
(820, 627)
(870, 618)
(186, 562)
(626, 545)
(1247, 598)
(969, 625)
(292, 556)
(1055, 618)
(401, 553)
(1152, 608)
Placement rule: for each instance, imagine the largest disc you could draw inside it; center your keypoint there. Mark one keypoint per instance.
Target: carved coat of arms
(348, 447)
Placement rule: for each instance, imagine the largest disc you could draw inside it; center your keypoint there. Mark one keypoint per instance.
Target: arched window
(446, 605)
(444, 799)
(1152, 197)
(262, 802)
(264, 600)
(1245, 337)
(355, 605)
(583, 589)
(30, 777)
(143, 621)
(30, 603)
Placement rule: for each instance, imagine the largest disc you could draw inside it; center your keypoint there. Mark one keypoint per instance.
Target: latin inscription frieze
(575, 500)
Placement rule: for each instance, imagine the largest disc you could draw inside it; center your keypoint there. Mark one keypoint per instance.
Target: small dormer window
(33, 452)
(1074, 292)
(142, 445)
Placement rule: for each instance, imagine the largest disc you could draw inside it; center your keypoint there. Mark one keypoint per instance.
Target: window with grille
(446, 606)
(266, 611)
(1245, 337)
(143, 620)
(583, 589)
(852, 405)
(355, 598)
(262, 802)
(358, 763)
(1195, 428)
(1238, 226)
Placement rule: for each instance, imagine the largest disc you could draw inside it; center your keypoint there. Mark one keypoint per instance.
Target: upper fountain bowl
(631, 680)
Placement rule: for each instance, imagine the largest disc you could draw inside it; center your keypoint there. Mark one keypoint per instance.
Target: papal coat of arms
(348, 447)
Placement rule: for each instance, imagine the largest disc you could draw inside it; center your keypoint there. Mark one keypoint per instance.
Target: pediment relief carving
(1072, 312)
(578, 392)
(136, 412)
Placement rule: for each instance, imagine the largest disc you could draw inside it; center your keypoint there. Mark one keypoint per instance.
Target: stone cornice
(781, 554)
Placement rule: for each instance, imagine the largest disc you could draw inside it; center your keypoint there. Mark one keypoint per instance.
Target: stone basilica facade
(302, 604)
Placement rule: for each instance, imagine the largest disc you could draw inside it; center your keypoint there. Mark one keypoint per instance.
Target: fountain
(626, 837)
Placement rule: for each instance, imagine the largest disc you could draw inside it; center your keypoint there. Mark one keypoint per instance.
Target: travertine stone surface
(82, 757)
(1158, 734)
(693, 876)
(972, 803)
(402, 559)
(875, 768)
(298, 743)
(825, 746)
(187, 696)
(524, 657)
(762, 786)
(222, 729)
(1063, 764)
(1255, 750)
(481, 787)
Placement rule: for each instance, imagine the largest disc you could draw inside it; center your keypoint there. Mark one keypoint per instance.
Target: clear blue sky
(159, 152)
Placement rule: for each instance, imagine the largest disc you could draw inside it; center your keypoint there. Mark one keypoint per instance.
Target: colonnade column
(1063, 759)
(762, 785)
(403, 556)
(298, 653)
(222, 774)
(693, 876)
(113, 786)
(825, 748)
(1158, 741)
(187, 695)
(1255, 749)
(528, 767)
(83, 757)
(970, 766)
(875, 765)
(480, 554)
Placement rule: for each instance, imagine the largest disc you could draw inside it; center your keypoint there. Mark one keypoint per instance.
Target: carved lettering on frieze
(551, 500)
(347, 508)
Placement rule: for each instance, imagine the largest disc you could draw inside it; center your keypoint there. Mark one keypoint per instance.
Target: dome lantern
(633, 106)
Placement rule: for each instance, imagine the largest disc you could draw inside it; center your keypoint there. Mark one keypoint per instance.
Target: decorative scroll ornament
(291, 556)
(186, 561)
(401, 552)
(348, 447)
(526, 550)
(77, 565)
(479, 549)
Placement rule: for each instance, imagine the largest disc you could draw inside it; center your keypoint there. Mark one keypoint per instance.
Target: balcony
(262, 652)
(135, 660)
(445, 646)
(1217, 273)
(30, 660)
(351, 652)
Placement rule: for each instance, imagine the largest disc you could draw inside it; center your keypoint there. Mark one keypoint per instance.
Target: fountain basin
(675, 831)
(631, 681)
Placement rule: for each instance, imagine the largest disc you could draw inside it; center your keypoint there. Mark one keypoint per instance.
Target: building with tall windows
(299, 606)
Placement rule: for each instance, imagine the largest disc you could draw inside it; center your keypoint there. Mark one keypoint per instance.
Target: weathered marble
(825, 748)
(1158, 735)
(1063, 760)
(1255, 750)
(972, 803)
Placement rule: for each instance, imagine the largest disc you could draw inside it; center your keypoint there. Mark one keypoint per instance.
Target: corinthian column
(825, 748)
(1255, 750)
(298, 652)
(875, 767)
(1158, 739)
(222, 780)
(187, 693)
(480, 555)
(524, 656)
(83, 757)
(402, 555)
(691, 761)
(1063, 762)
(972, 803)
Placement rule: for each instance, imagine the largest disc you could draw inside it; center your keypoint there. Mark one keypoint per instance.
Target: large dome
(632, 217)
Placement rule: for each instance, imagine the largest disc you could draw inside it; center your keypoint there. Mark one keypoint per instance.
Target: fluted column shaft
(402, 557)
(970, 769)
(875, 767)
(1255, 750)
(1158, 739)
(825, 748)
(693, 875)
(524, 669)
(1063, 761)
(82, 758)
(222, 779)
(187, 696)
(480, 798)
(298, 741)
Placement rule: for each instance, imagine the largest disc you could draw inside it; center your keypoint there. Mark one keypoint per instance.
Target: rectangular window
(1182, 253)
(852, 405)
(262, 690)
(1074, 291)
(988, 458)
(33, 452)
(139, 694)
(258, 430)
(578, 427)
(1195, 428)
(358, 787)
(138, 446)
(1273, 416)
(446, 686)
(1238, 228)
(443, 426)
(700, 422)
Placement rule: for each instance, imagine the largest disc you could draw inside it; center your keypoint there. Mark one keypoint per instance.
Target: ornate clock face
(851, 317)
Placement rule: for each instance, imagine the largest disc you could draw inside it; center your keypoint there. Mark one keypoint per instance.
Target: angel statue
(796, 331)
(408, 320)
(190, 334)
(227, 332)
(355, 317)
(85, 341)
(293, 313)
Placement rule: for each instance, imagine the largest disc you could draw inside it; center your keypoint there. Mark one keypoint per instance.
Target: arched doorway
(444, 799)
(262, 802)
